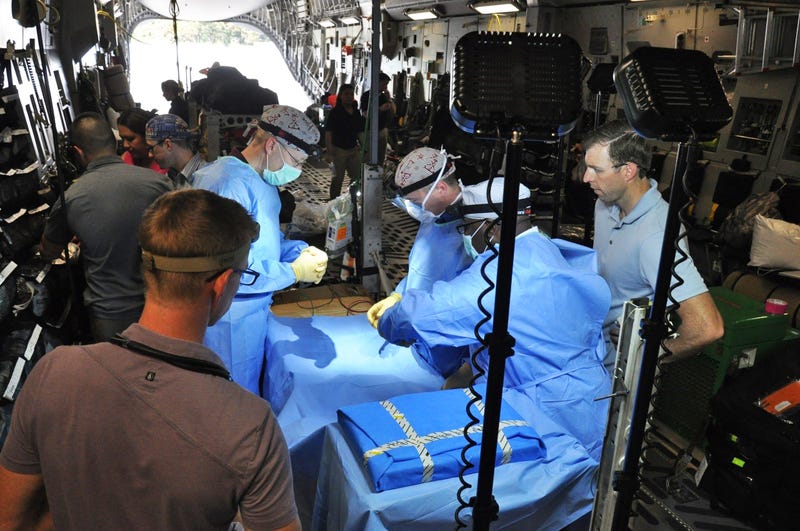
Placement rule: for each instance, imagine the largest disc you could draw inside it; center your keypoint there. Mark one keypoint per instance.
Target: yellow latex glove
(378, 309)
(310, 265)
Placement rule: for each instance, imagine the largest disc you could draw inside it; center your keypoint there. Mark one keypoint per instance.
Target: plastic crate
(685, 387)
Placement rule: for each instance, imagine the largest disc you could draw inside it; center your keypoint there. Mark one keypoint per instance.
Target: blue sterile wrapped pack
(416, 438)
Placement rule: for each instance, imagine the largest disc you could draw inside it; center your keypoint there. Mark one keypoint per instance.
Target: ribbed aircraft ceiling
(206, 10)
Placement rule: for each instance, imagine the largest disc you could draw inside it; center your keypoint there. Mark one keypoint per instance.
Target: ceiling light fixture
(491, 7)
(348, 21)
(429, 13)
(327, 23)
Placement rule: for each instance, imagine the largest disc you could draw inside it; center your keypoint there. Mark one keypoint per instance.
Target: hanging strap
(182, 362)
(174, 10)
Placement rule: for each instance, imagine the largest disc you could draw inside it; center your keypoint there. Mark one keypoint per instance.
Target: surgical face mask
(471, 251)
(284, 175)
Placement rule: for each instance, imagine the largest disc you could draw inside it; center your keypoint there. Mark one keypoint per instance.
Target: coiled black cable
(478, 370)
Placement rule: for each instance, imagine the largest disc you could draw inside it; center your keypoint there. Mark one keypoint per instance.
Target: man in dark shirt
(343, 131)
(103, 210)
(172, 93)
(386, 111)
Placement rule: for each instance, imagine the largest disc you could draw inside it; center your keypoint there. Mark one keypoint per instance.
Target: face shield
(418, 211)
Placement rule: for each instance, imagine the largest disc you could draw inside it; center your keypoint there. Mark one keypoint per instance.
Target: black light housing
(503, 81)
(672, 94)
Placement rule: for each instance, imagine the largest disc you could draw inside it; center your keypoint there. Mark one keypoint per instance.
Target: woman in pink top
(131, 124)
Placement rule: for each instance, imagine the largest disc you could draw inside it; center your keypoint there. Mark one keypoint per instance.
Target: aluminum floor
(311, 194)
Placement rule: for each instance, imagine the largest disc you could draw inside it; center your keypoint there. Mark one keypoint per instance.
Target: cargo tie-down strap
(419, 442)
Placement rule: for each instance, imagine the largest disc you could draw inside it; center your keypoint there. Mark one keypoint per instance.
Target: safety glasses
(462, 229)
(247, 277)
(297, 163)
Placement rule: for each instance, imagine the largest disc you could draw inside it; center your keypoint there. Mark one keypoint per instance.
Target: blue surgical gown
(437, 254)
(239, 336)
(558, 303)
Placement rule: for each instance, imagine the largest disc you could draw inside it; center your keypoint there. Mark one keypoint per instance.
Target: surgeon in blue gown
(558, 303)
(283, 139)
(428, 188)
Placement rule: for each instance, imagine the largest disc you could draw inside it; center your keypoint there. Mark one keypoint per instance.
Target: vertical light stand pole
(369, 220)
(501, 343)
(653, 331)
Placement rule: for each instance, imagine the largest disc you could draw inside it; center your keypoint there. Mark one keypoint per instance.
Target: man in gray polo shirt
(148, 431)
(103, 210)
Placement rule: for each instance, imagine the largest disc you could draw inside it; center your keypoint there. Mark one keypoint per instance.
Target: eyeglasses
(600, 171)
(150, 148)
(297, 163)
(462, 229)
(247, 277)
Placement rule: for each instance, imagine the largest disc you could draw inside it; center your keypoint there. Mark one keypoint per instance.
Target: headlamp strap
(310, 150)
(194, 264)
(425, 181)
(523, 208)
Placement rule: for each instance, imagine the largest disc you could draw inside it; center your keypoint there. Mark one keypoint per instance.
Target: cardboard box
(333, 299)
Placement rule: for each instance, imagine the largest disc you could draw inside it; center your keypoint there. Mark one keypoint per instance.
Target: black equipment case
(754, 448)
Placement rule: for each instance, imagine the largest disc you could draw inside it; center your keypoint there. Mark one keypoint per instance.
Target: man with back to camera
(629, 222)
(283, 139)
(103, 210)
(172, 144)
(558, 361)
(148, 432)
(428, 189)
